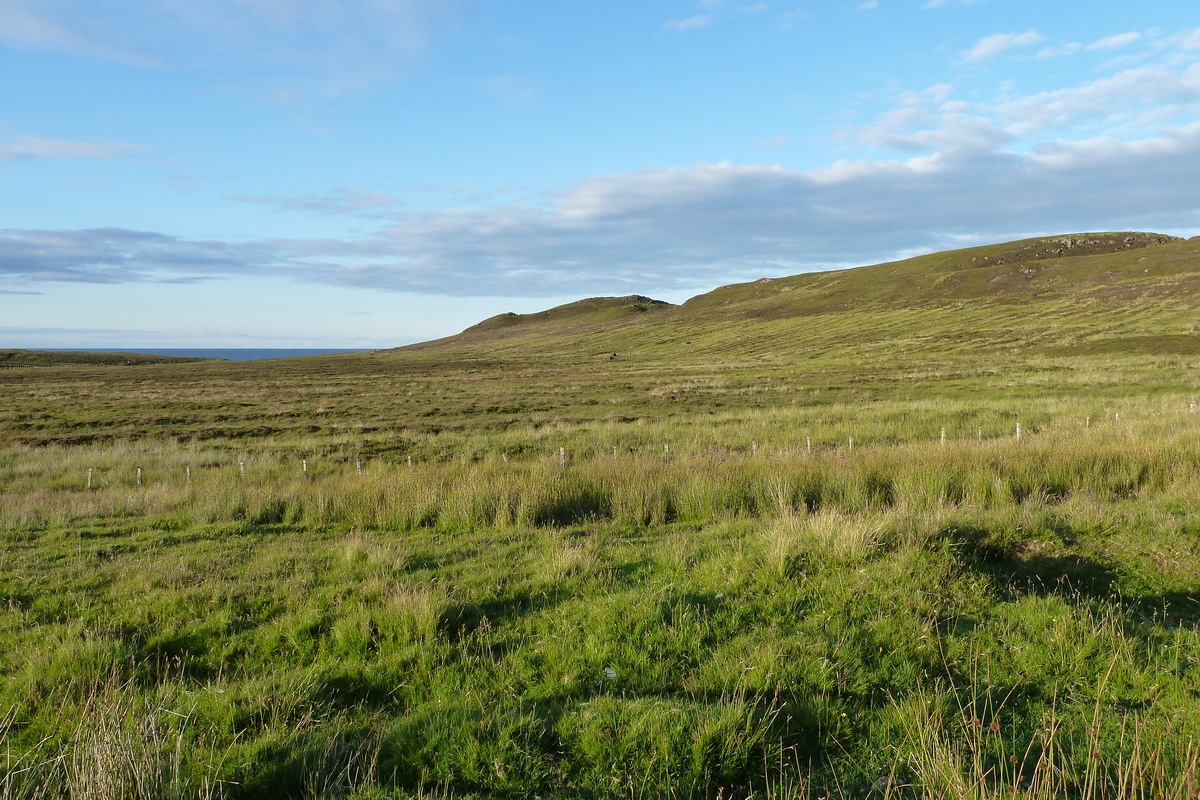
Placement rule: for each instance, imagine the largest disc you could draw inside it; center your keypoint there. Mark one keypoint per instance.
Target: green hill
(1083, 293)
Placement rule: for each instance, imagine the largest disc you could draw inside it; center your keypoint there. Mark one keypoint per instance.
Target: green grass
(790, 622)
(475, 569)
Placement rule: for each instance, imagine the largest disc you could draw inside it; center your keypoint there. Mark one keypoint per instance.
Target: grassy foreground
(727, 614)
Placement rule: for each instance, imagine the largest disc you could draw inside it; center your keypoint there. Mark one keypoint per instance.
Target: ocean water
(230, 353)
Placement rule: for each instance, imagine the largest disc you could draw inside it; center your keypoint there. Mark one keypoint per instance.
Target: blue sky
(368, 173)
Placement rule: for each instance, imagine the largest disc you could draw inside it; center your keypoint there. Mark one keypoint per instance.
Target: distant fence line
(566, 457)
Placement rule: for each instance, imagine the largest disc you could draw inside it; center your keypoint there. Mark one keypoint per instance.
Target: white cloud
(994, 45)
(331, 48)
(1068, 49)
(684, 227)
(790, 19)
(1126, 97)
(354, 200)
(1115, 42)
(513, 89)
(690, 23)
(20, 147)
(928, 4)
(776, 142)
(27, 29)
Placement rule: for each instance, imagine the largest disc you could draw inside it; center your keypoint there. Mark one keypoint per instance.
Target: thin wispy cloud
(33, 26)
(929, 4)
(21, 147)
(688, 23)
(991, 46)
(349, 200)
(1115, 42)
(512, 89)
(335, 48)
(780, 142)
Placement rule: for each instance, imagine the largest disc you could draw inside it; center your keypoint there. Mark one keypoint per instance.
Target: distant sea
(231, 353)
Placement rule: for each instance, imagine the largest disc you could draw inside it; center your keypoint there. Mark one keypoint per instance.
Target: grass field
(928, 561)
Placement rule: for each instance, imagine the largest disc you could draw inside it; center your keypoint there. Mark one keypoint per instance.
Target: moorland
(921, 529)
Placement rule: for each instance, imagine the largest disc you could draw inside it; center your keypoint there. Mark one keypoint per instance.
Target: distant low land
(928, 528)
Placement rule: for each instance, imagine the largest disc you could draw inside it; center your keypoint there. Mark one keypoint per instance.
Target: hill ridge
(1044, 292)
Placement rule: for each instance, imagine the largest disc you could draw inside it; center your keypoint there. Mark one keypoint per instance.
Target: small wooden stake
(242, 467)
(851, 442)
(89, 479)
(139, 474)
(410, 462)
(188, 471)
(808, 442)
(304, 466)
(1018, 431)
(981, 434)
(358, 465)
(666, 452)
(943, 436)
(562, 457)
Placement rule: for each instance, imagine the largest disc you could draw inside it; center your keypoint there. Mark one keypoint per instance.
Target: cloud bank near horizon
(683, 228)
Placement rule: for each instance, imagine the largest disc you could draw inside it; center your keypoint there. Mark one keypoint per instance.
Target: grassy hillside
(922, 529)
(1123, 292)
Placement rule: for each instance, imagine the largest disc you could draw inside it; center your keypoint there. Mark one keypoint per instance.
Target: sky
(371, 173)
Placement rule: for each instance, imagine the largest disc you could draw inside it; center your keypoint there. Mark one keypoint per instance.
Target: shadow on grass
(1024, 566)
